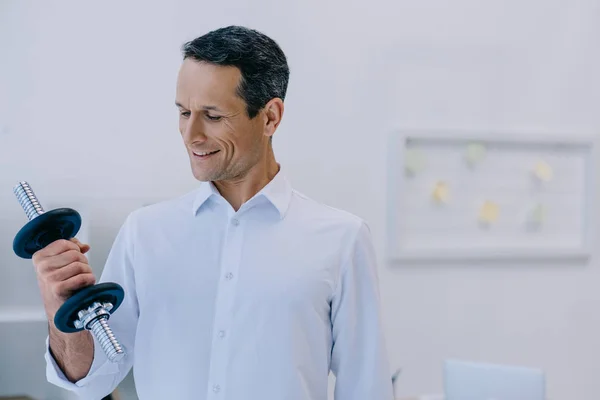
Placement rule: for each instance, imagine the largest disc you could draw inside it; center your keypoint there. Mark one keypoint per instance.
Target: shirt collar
(278, 192)
(205, 192)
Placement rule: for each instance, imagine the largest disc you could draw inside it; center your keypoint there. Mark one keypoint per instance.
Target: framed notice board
(455, 195)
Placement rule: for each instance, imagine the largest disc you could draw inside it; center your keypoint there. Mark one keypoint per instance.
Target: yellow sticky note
(543, 171)
(538, 214)
(441, 192)
(414, 161)
(489, 212)
(475, 153)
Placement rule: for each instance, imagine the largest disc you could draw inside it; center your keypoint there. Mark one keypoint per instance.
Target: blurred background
(87, 117)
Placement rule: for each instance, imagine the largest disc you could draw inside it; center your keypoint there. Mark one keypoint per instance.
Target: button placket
(231, 257)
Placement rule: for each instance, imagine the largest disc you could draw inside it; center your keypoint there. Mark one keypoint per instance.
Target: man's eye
(213, 117)
(185, 114)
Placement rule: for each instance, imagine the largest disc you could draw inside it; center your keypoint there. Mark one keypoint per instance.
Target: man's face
(222, 142)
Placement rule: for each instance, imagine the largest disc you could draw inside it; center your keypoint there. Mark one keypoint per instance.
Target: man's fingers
(61, 260)
(71, 270)
(64, 289)
(84, 248)
(55, 248)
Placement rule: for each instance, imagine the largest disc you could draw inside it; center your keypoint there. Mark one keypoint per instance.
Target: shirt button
(221, 334)
(235, 222)
(216, 388)
(229, 276)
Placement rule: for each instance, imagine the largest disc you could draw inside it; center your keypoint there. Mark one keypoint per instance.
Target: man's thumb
(84, 248)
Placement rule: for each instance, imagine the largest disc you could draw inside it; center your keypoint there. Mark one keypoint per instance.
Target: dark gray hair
(262, 63)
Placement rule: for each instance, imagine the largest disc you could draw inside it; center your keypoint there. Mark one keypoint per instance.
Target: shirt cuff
(100, 366)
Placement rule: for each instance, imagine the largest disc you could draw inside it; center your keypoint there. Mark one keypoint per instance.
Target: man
(243, 289)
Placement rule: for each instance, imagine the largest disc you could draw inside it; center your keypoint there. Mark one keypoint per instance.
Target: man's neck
(238, 191)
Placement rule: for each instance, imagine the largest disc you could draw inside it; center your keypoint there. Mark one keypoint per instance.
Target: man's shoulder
(310, 211)
(168, 208)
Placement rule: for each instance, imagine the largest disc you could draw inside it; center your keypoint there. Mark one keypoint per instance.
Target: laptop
(474, 381)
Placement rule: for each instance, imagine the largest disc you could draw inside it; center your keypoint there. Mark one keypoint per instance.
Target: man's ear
(273, 113)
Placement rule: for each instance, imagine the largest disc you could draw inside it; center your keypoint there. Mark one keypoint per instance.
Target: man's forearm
(73, 352)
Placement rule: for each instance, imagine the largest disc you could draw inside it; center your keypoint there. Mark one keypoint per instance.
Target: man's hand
(61, 269)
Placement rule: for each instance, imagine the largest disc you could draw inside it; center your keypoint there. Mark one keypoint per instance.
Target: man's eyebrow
(206, 108)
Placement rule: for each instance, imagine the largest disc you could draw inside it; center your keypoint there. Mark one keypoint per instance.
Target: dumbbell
(88, 308)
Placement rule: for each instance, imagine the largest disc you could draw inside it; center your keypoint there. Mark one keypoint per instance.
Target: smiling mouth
(205, 154)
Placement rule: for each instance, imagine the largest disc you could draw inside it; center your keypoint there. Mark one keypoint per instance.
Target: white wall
(86, 114)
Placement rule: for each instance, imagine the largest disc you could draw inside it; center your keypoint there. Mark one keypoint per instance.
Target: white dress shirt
(258, 304)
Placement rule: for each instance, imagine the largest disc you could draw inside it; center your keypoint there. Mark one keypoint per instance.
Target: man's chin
(201, 176)
(204, 176)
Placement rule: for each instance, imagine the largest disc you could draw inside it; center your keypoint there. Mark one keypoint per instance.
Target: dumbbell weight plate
(107, 292)
(62, 223)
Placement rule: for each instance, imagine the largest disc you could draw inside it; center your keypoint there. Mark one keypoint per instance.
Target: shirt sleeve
(359, 355)
(104, 376)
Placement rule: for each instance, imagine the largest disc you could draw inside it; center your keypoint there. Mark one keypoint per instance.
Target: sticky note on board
(543, 171)
(441, 192)
(475, 153)
(538, 214)
(489, 212)
(414, 161)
